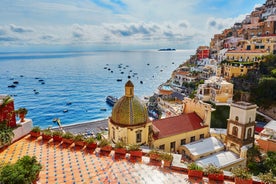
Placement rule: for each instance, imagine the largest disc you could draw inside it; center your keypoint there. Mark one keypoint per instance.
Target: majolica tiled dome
(129, 110)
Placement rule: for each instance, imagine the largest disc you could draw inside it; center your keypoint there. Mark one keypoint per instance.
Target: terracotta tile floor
(63, 164)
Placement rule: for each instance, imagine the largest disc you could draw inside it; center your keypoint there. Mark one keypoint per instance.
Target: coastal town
(215, 115)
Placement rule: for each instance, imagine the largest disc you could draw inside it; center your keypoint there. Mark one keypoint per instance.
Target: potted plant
(105, 146)
(120, 150)
(6, 135)
(195, 170)
(154, 154)
(47, 134)
(79, 140)
(35, 132)
(67, 138)
(167, 159)
(242, 176)
(91, 143)
(267, 178)
(21, 113)
(26, 170)
(135, 153)
(57, 135)
(155, 157)
(135, 150)
(214, 173)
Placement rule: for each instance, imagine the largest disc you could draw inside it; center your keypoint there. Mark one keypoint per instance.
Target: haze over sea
(80, 78)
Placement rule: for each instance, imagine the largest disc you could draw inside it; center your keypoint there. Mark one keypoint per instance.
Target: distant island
(167, 49)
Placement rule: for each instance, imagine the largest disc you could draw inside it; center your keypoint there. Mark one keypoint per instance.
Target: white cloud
(131, 22)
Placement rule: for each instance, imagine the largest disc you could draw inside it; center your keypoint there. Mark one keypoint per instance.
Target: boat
(167, 49)
(119, 80)
(111, 100)
(12, 86)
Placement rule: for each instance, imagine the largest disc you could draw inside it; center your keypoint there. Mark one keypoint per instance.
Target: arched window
(237, 118)
(249, 133)
(139, 136)
(235, 131)
(113, 132)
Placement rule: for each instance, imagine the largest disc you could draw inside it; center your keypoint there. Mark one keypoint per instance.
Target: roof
(129, 111)
(271, 125)
(129, 84)
(203, 146)
(177, 95)
(221, 159)
(69, 164)
(176, 125)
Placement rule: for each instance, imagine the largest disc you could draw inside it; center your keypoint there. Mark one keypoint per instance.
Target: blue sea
(50, 83)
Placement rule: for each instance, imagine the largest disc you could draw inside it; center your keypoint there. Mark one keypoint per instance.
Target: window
(237, 118)
(201, 136)
(192, 139)
(172, 146)
(162, 147)
(183, 141)
(249, 133)
(138, 136)
(113, 132)
(235, 131)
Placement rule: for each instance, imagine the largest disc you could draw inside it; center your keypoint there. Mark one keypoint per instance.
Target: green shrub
(68, 135)
(36, 129)
(194, 166)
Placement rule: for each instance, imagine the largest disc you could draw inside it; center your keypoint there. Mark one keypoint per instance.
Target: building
(239, 137)
(202, 52)
(236, 69)
(240, 127)
(129, 121)
(7, 110)
(216, 90)
(267, 138)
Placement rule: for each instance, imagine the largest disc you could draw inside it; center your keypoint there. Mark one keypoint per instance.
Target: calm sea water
(79, 78)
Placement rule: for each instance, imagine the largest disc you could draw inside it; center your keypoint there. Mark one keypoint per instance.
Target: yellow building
(129, 120)
(245, 55)
(215, 90)
(235, 69)
(194, 124)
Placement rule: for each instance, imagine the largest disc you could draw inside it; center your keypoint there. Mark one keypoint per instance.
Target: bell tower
(241, 126)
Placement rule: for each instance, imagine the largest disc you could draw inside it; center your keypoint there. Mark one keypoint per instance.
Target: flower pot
(155, 157)
(167, 163)
(46, 137)
(91, 146)
(79, 143)
(67, 141)
(216, 177)
(120, 151)
(243, 181)
(35, 134)
(106, 148)
(137, 153)
(57, 138)
(22, 117)
(195, 173)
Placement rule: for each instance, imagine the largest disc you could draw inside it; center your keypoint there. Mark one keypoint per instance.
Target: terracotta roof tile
(177, 124)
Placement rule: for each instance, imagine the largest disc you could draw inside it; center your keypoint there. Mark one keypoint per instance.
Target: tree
(264, 93)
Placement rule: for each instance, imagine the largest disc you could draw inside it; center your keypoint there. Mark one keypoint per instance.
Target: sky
(27, 25)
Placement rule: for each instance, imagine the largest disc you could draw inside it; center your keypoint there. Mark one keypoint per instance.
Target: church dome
(129, 110)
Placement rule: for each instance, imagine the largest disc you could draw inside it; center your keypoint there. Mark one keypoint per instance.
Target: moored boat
(111, 100)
